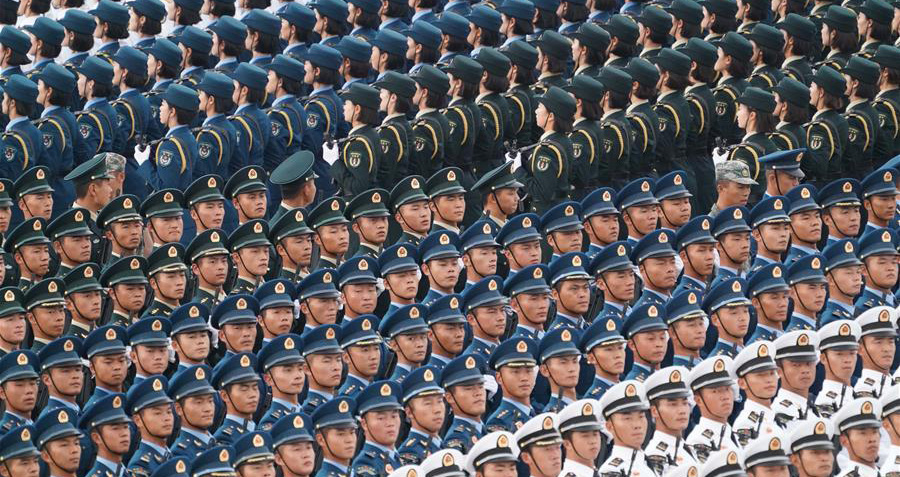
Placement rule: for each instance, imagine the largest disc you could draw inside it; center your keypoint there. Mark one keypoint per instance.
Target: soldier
(253, 128)
(193, 397)
(368, 215)
(395, 133)
(281, 365)
(624, 407)
(800, 39)
(401, 274)
(83, 300)
(446, 323)
(796, 354)
(276, 309)
(323, 356)
(23, 143)
(497, 115)
(253, 454)
(149, 339)
(792, 103)
(766, 452)
(132, 108)
(29, 247)
(439, 258)
(839, 346)
(876, 251)
(712, 385)
(464, 118)
(696, 248)
(655, 260)
(841, 209)
(770, 226)
(857, 426)
(246, 189)
(674, 199)
(878, 191)
(12, 313)
(205, 203)
(843, 272)
(479, 251)
(812, 447)
(57, 125)
(886, 101)
(355, 166)
(755, 369)
(589, 48)
(523, 59)
(604, 348)
(236, 319)
(107, 425)
(71, 238)
(166, 273)
(331, 232)
(378, 456)
(866, 142)
(768, 292)
(263, 29)
(190, 334)
(295, 177)
(806, 222)
(238, 384)
(463, 383)
(97, 123)
(19, 386)
(529, 295)
(600, 220)
(668, 395)
(44, 310)
(768, 45)
(729, 313)
(336, 434)
(57, 437)
(126, 282)
(431, 128)
(249, 246)
(733, 65)
(562, 226)
(34, 194)
(166, 57)
(889, 411)
(827, 133)
(165, 217)
(733, 186)
(423, 402)
(323, 106)
(570, 290)
(674, 116)
(514, 363)
(627, 136)
(151, 411)
(645, 329)
(217, 139)
(318, 297)
(754, 115)
(293, 442)
(541, 432)
(122, 226)
(876, 351)
(485, 314)
(104, 350)
(580, 425)
(357, 279)
(411, 209)
(687, 323)
(559, 359)
(639, 208)
(215, 460)
(175, 156)
(362, 353)
(406, 334)
(62, 374)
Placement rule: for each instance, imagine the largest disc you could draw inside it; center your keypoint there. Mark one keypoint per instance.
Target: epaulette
(145, 458)
(227, 430)
(708, 433)
(657, 463)
(615, 462)
(744, 435)
(502, 413)
(753, 416)
(662, 446)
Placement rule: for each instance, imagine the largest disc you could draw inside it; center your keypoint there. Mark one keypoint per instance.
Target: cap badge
(804, 193)
(410, 472)
(194, 312)
(335, 205)
(774, 444)
(866, 407)
(298, 422)
(279, 287)
(888, 177)
(587, 409)
(298, 216)
(526, 222)
(37, 225)
(884, 315)
(110, 335)
(329, 334)
(738, 215)
(451, 175)
(621, 251)
(848, 247)
(40, 174)
(444, 239)
(802, 340)
(548, 423)
(52, 287)
(68, 345)
(630, 390)
(156, 326)
(414, 183)
(607, 196)
(610, 325)
(732, 458)
(117, 402)
(251, 174)
(180, 466)
(677, 179)
(326, 278)
(777, 205)
(344, 406)
(844, 330)
(470, 362)
(376, 198)
(157, 385)
(135, 264)
(486, 229)
(538, 273)
(492, 285)
(847, 188)
(447, 460)
(9, 295)
(363, 265)
(385, 390)
(675, 377)
(289, 343)
(719, 365)
(62, 417)
(663, 237)
(245, 361)
(692, 471)
(820, 427)
(401, 252)
(211, 182)
(576, 261)
(168, 197)
(652, 312)
(257, 228)
(705, 224)
(88, 272)
(223, 456)
(692, 298)
(502, 441)
(763, 351)
(816, 263)
(886, 236)
(200, 374)
(566, 335)
(776, 272)
(241, 304)
(736, 286)
(79, 216)
(522, 347)
(414, 312)
(22, 359)
(645, 186)
(258, 441)
(173, 252)
(366, 324)
(428, 375)
(569, 210)
(26, 435)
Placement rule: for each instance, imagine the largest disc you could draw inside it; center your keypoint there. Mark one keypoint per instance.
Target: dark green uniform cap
(291, 224)
(7, 190)
(701, 51)
(328, 212)
(125, 270)
(466, 69)
(493, 61)
(498, 178)
(296, 168)
(767, 36)
(253, 233)
(797, 26)
(673, 61)
(11, 299)
(432, 79)
(793, 91)
(370, 203)
(590, 35)
(521, 53)
(616, 80)
(686, 10)
(555, 45)
(445, 182)
(656, 19)
(862, 70)
(727, 8)
(205, 189)
(840, 19)
(830, 80)
(409, 189)
(558, 102)
(586, 88)
(736, 46)
(83, 278)
(641, 71)
(47, 292)
(209, 242)
(624, 28)
(888, 56)
(90, 170)
(167, 258)
(32, 181)
(71, 223)
(30, 232)
(878, 11)
(121, 209)
(362, 95)
(396, 83)
(248, 179)
(163, 203)
(758, 99)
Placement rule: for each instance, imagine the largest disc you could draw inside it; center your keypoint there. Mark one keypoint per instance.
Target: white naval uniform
(855, 469)
(626, 462)
(755, 421)
(890, 467)
(665, 452)
(870, 383)
(709, 436)
(571, 468)
(789, 406)
(832, 396)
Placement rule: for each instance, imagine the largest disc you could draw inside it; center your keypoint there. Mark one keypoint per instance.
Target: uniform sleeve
(211, 152)
(725, 109)
(584, 158)
(860, 145)
(354, 170)
(427, 149)
(281, 136)
(318, 122)
(394, 155)
(541, 176)
(889, 124)
(171, 166)
(240, 157)
(668, 128)
(90, 132)
(125, 123)
(614, 152)
(823, 147)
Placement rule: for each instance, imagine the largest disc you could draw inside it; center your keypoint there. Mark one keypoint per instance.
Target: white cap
(540, 430)
(839, 334)
(581, 415)
(669, 382)
(723, 463)
(444, 463)
(712, 371)
(798, 345)
(890, 400)
(765, 451)
(625, 396)
(861, 412)
(407, 471)
(813, 433)
(498, 446)
(757, 356)
(878, 320)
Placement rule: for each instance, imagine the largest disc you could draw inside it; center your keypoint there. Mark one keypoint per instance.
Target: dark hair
(456, 44)
(335, 27)
(893, 75)
(368, 20)
(40, 6)
(604, 5)
(795, 113)
(17, 59)
(368, 116)
(832, 101)
(739, 69)
(771, 56)
(554, 64)
(101, 90)
(843, 41)
(427, 54)
(689, 30)
(292, 189)
(591, 110)
(59, 98)
(489, 37)
(522, 27)
(223, 105)
(81, 189)
(426, 3)
(765, 122)
(134, 80)
(265, 43)
(49, 50)
(617, 100)
(167, 71)
(645, 91)
(678, 82)
(659, 37)
(23, 108)
(221, 9)
(358, 69)
(495, 83)
(394, 62)
(150, 26)
(183, 116)
(198, 58)
(116, 30)
(575, 13)
(880, 31)
(326, 76)
(434, 100)
(703, 73)
(755, 13)
(256, 96)
(723, 24)
(231, 49)
(80, 42)
(801, 47)
(403, 104)
(796, 6)
(290, 85)
(9, 13)
(866, 90)
(622, 49)
(186, 16)
(260, 4)
(562, 125)
(547, 20)
(396, 9)
(469, 91)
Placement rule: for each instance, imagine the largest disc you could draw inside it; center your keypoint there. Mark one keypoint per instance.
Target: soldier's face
(775, 237)
(879, 349)
(848, 279)
(194, 345)
(130, 296)
(12, 329)
(470, 398)
(843, 221)
(585, 443)
(732, 320)
(299, 249)
(548, 458)
(5, 214)
(562, 370)
(498, 469)
(373, 229)
(158, 420)
(20, 394)
(541, 113)
(360, 298)
(199, 410)
(334, 238)
(211, 214)
(797, 376)
(42, 92)
(732, 193)
(272, 83)
(110, 370)
(427, 412)
(507, 199)
(76, 249)
(244, 397)
(127, 234)
(617, 284)
(772, 306)
(239, 337)
(676, 413)
(762, 384)
(628, 428)
(64, 452)
(115, 437)
(448, 337)
(603, 228)
(255, 259)
(610, 358)
(862, 444)
(298, 457)
(815, 462)
(212, 269)
(810, 295)
(290, 378)
(735, 245)
(38, 205)
(482, 259)
(171, 284)
(383, 427)
(403, 284)
(882, 206)
(310, 73)
(660, 272)
(36, 258)
(321, 310)
(573, 296)
(523, 254)
(691, 332)
(325, 369)
(277, 320)
(532, 308)
(252, 204)
(341, 442)
(700, 257)
(449, 208)
(443, 273)
(363, 359)
(416, 216)
(50, 319)
(66, 380)
(284, 33)
(641, 220)
(24, 466)
(676, 211)
(489, 320)
(518, 381)
(566, 241)
(412, 347)
(151, 359)
(841, 363)
(257, 469)
(718, 401)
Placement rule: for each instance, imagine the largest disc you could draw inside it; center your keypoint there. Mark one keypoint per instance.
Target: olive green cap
(130, 269)
(371, 203)
(209, 242)
(7, 190)
(558, 102)
(500, 177)
(291, 224)
(90, 170)
(253, 233)
(465, 69)
(71, 223)
(121, 209)
(329, 212)
(205, 189)
(432, 79)
(163, 203)
(445, 182)
(248, 179)
(33, 181)
(29, 232)
(409, 189)
(758, 99)
(83, 278)
(297, 167)
(11, 299)
(167, 258)
(47, 292)
(830, 80)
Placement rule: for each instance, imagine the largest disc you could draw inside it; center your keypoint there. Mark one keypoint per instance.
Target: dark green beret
(163, 203)
(615, 79)
(432, 79)
(362, 95)
(701, 51)
(878, 11)
(687, 11)
(641, 71)
(521, 54)
(793, 91)
(590, 35)
(736, 46)
(370, 203)
(888, 56)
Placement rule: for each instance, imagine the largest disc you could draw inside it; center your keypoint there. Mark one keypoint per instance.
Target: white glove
(141, 155)
(719, 155)
(490, 385)
(516, 159)
(330, 153)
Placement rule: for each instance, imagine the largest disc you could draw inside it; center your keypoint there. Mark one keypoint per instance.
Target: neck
(829, 375)
(728, 338)
(401, 301)
(680, 350)
(602, 373)
(526, 401)
(153, 439)
(234, 412)
(769, 254)
(797, 241)
(556, 390)
(291, 398)
(109, 455)
(766, 321)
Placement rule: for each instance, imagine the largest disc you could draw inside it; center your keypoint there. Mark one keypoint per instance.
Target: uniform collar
(287, 404)
(246, 423)
(203, 436)
(13, 122)
(159, 449)
(525, 409)
(479, 426)
(340, 467)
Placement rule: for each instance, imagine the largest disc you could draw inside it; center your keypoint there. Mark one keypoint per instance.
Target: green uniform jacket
(587, 143)
(725, 125)
(644, 125)
(545, 173)
(429, 133)
(826, 136)
(863, 138)
(488, 150)
(887, 104)
(521, 114)
(357, 165)
(395, 138)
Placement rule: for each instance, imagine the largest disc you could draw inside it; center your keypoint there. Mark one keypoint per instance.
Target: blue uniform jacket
(23, 148)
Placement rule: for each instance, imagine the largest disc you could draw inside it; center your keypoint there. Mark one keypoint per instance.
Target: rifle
(330, 141)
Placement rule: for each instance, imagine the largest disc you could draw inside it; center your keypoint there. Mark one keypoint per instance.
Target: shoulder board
(727, 89)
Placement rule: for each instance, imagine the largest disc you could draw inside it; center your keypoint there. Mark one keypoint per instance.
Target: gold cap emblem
(451, 175)
(587, 409)
(52, 287)
(173, 252)
(414, 313)
(502, 441)
(677, 180)
(245, 361)
(732, 458)
(157, 385)
(763, 351)
(492, 285)
(866, 407)
(428, 375)
(803, 340)
(410, 472)
(522, 347)
(257, 228)
(804, 193)
(470, 363)
(548, 423)
(79, 216)
(738, 215)
(88, 272)
(776, 272)
(645, 186)
(848, 247)
(252, 174)
(820, 427)
(223, 455)
(566, 335)
(886, 236)
(62, 417)
(279, 287)
(344, 406)
(68, 345)
(180, 466)
(156, 326)
(414, 183)
(675, 376)
(298, 422)
(385, 390)
(9, 295)
(289, 343)
(444, 239)
(486, 229)
(401, 252)
(621, 251)
(526, 222)
(117, 402)
(26, 435)
(376, 198)
(335, 205)
(607, 196)
(630, 390)
(736, 286)
(569, 210)
(200, 374)
(719, 365)
(211, 182)
(692, 298)
(298, 216)
(816, 263)
(194, 312)
(326, 278)
(366, 324)
(447, 460)
(888, 177)
(258, 441)
(22, 359)
(610, 325)
(110, 334)
(844, 330)
(329, 334)
(40, 174)
(705, 224)
(363, 265)
(774, 444)
(127, 203)
(663, 237)
(884, 315)
(847, 188)
(538, 273)
(241, 304)
(37, 225)
(777, 205)
(652, 312)
(135, 264)
(692, 471)
(168, 197)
